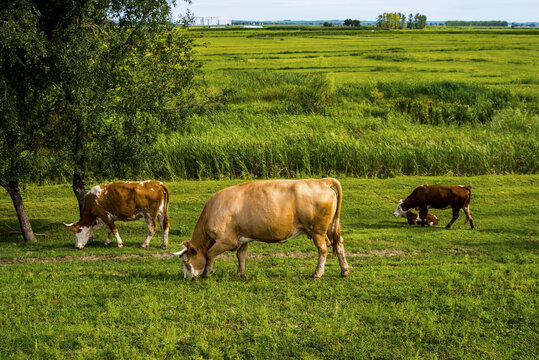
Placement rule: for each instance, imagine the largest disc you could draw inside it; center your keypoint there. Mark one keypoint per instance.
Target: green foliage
(391, 21)
(416, 21)
(352, 23)
(23, 109)
(412, 292)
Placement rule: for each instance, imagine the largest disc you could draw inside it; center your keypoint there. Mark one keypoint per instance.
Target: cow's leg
(163, 222)
(150, 224)
(320, 243)
(111, 227)
(217, 249)
(345, 269)
(455, 217)
(117, 236)
(422, 217)
(241, 254)
(469, 215)
(109, 231)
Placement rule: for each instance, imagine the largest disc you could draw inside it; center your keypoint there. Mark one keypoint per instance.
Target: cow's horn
(181, 252)
(72, 224)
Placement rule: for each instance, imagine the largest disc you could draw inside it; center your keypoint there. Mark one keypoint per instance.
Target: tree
(327, 24)
(67, 67)
(416, 21)
(23, 106)
(352, 23)
(391, 21)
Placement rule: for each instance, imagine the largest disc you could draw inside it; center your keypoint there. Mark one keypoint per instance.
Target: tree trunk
(12, 188)
(80, 165)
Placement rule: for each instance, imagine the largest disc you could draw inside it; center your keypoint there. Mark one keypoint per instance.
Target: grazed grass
(413, 291)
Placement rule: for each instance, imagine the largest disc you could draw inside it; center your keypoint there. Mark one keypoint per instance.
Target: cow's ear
(73, 229)
(193, 251)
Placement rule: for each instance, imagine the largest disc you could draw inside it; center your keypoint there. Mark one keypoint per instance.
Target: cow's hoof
(345, 273)
(120, 246)
(106, 243)
(316, 276)
(163, 246)
(241, 275)
(143, 246)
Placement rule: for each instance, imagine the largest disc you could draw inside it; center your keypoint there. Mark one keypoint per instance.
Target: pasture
(358, 103)
(413, 292)
(381, 111)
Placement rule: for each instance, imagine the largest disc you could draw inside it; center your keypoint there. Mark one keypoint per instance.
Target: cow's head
(400, 211)
(194, 261)
(82, 234)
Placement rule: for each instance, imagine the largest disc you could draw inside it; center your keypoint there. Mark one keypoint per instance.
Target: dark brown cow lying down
(412, 218)
(439, 197)
(126, 201)
(269, 211)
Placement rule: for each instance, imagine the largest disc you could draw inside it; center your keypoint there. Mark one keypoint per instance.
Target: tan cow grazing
(439, 197)
(412, 218)
(126, 201)
(269, 211)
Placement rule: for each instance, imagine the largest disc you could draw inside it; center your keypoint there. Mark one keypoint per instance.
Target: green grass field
(358, 103)
(383, 112)
(413, 292)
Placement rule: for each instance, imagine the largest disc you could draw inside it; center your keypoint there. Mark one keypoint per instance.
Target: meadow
(414, 292)
(383, 112)
(357, 103)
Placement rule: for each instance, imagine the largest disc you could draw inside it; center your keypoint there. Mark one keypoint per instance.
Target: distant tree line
(352, 23)
(398, 21)
(476, 23)
(416, 21)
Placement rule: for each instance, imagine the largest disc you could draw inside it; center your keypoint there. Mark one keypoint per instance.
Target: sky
(509, 10)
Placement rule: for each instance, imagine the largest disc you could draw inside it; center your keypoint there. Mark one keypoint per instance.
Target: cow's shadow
(391, 224)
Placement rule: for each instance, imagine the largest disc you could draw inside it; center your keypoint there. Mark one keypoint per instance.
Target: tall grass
(343, 107)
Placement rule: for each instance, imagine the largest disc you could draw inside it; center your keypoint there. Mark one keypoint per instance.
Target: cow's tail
(165, 213)
(335, 233)
(467, 202)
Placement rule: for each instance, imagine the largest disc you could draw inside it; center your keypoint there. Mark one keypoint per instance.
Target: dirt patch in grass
(164, 255)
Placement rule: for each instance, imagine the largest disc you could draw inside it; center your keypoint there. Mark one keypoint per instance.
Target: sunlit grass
(413, 291)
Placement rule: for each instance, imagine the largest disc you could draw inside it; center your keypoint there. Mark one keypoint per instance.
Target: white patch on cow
(118, 239)
(99, 223)
(190, 272)
(161, 207)
(399, 212)
(82, 236)
(431, 223)
(96, 190)
(111, 216)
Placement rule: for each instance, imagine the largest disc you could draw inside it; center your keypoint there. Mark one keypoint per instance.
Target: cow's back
(438, 196)
(271, 210)
(124, 199)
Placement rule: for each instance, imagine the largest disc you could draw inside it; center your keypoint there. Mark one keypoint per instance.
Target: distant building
(210, 21)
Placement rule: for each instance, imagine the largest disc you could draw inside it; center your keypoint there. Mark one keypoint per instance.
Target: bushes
(435, 103)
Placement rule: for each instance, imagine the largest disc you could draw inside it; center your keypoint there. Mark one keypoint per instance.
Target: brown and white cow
(126, 201)
(269, 211)
(412, 218)
(439, 197)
